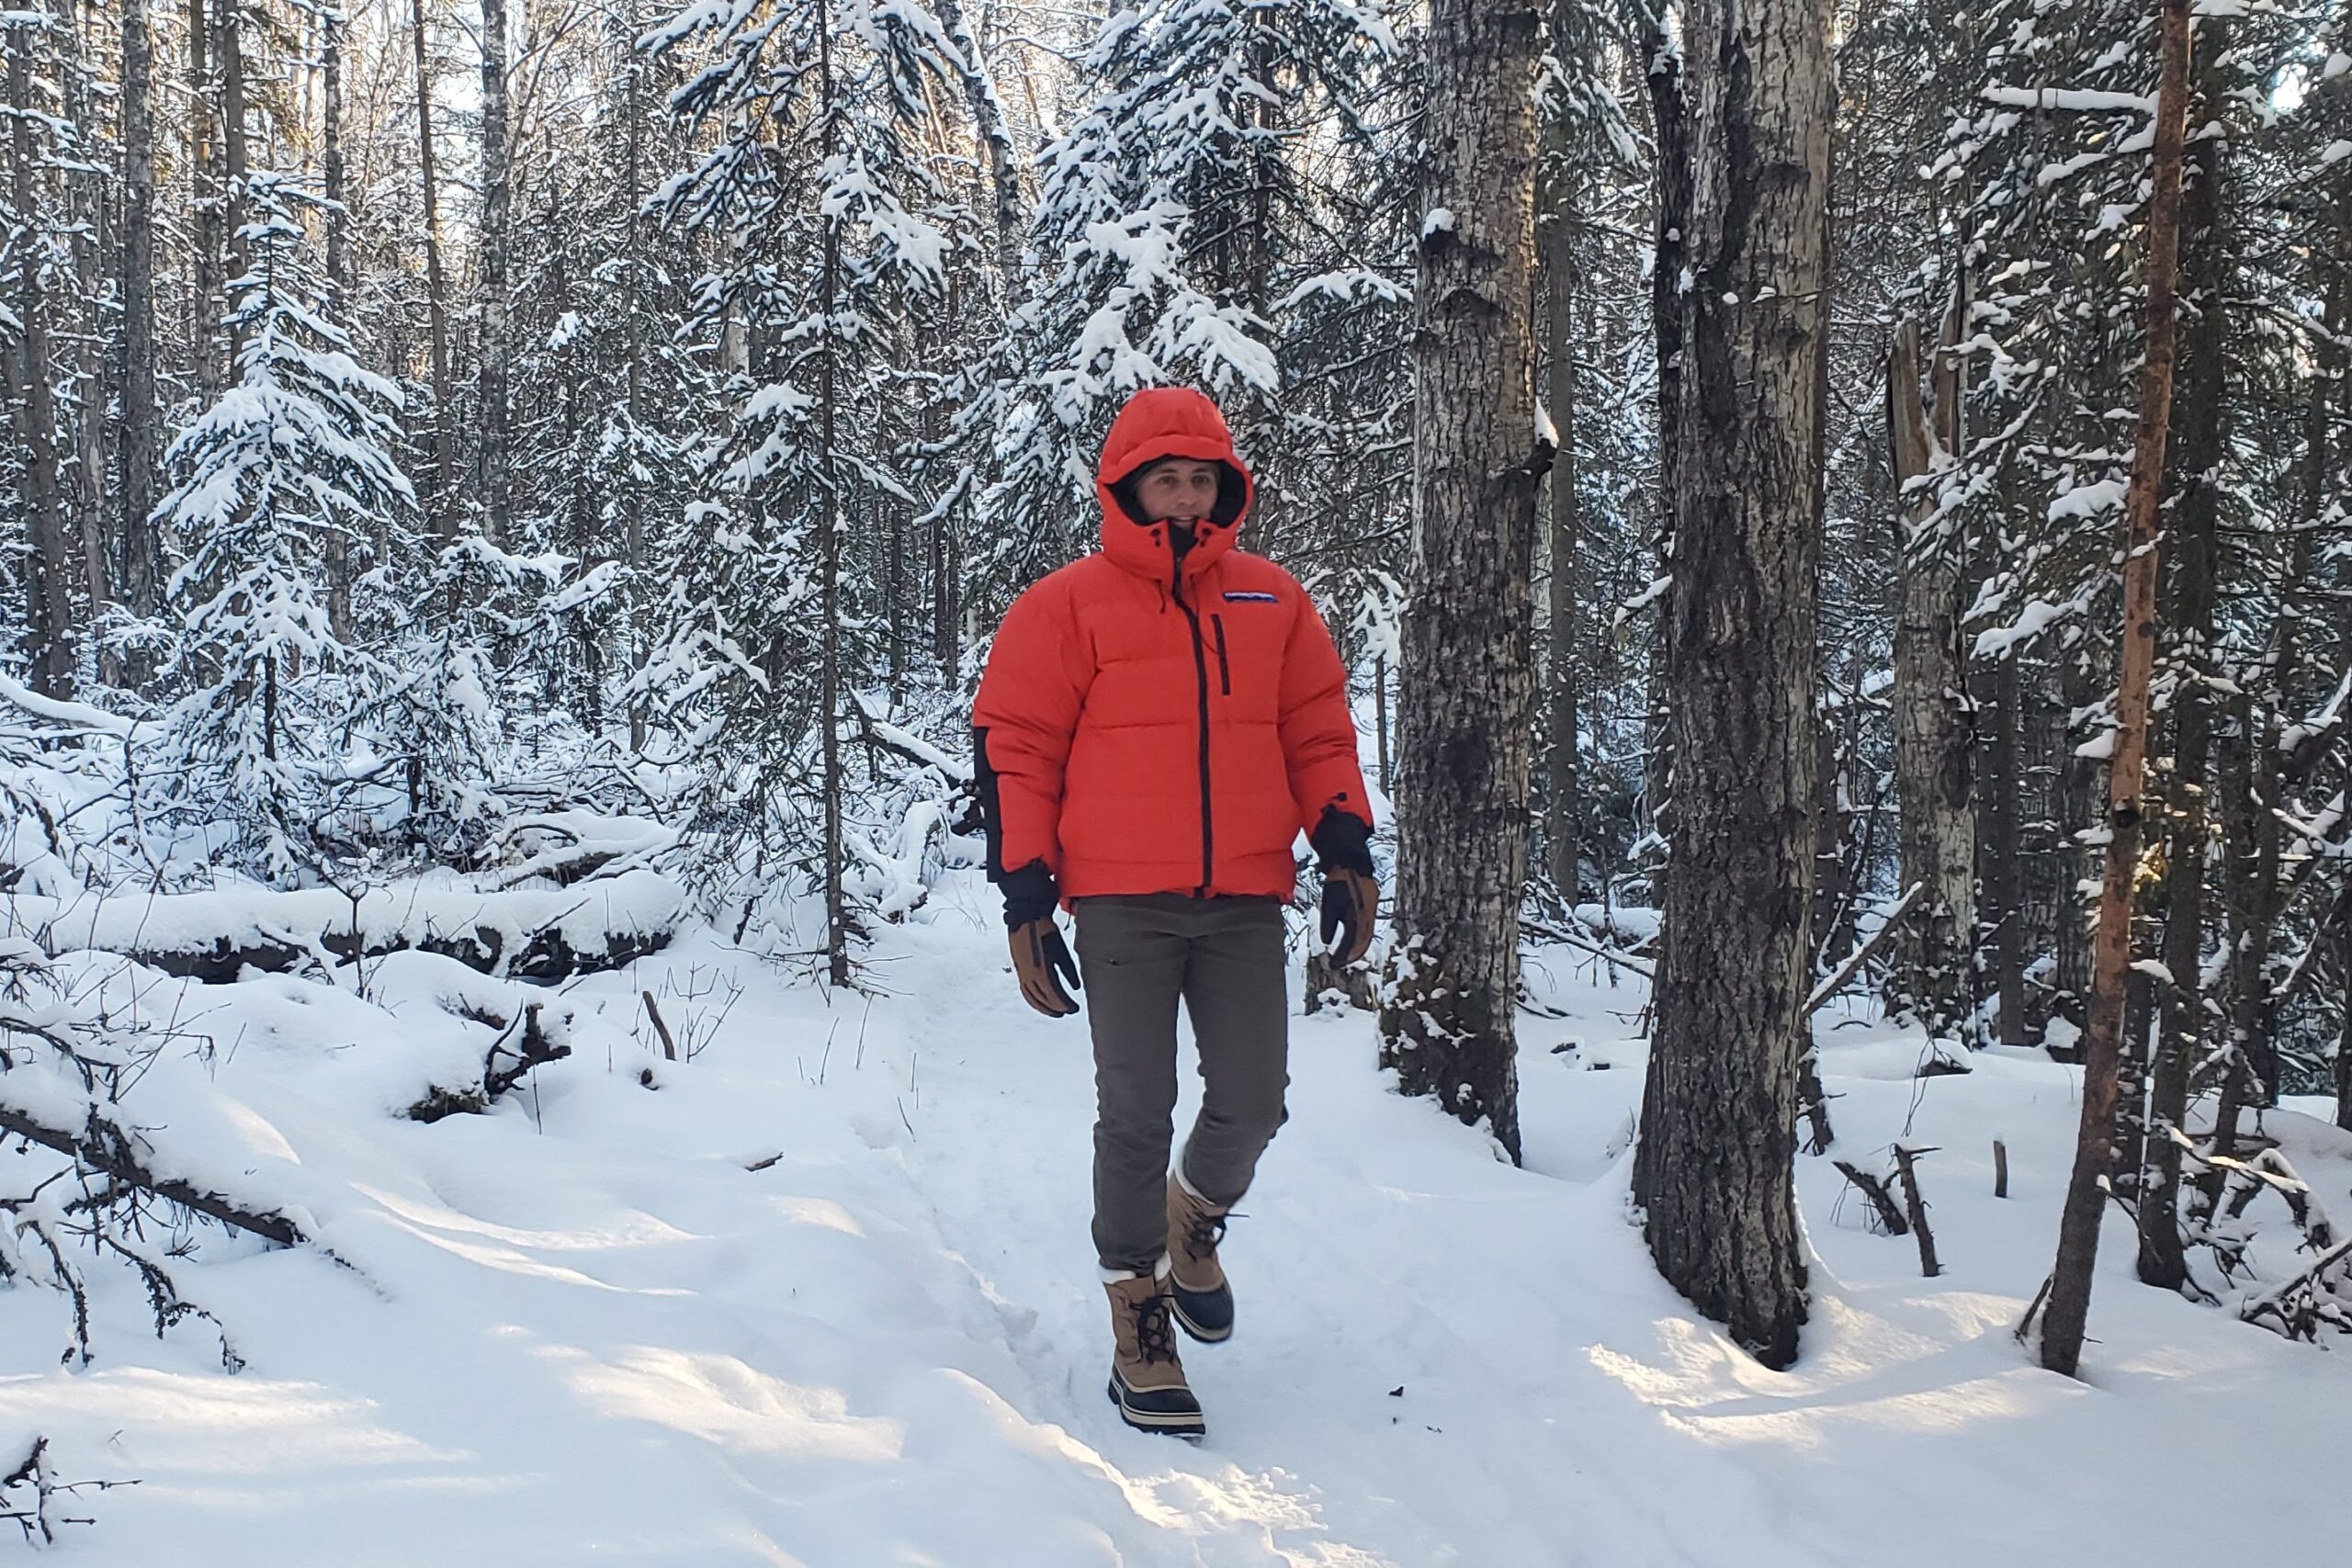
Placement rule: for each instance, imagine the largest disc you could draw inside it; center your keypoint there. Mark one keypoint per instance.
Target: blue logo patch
(1253, 598)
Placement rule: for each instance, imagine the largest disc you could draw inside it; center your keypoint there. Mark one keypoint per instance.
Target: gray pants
(1136, 956)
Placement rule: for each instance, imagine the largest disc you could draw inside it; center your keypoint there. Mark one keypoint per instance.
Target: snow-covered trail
(585, 1331)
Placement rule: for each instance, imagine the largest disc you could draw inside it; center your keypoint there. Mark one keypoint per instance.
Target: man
(1157, 724)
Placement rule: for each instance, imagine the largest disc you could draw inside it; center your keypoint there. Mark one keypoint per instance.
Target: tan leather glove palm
(1041, 961)
(1351, 910)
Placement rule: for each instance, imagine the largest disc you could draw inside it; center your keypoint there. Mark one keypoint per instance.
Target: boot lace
(1203, 1233)
(1155, 1338)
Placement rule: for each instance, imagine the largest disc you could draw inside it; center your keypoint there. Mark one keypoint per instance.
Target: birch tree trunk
(2070, 1290)
(1933, 784)
(1466, 735)
(1713, 1172)
(141, 564)
(495, 204)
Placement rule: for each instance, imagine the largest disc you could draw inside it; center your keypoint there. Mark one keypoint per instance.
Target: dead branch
(668, 1046)
(2299, 1307)
(536, 1047)
(1915, 1207)
(1871, 1187)
(1547, 931)
(1836, 980)
(1814, 1105)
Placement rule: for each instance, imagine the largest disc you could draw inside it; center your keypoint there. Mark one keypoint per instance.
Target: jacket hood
(1167, 422)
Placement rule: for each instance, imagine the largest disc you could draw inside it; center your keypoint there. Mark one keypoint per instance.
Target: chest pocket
(1246, 630)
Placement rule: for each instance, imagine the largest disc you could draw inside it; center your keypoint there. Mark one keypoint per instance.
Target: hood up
(1167, 422)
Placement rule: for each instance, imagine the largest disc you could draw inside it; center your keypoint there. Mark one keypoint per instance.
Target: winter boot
(1197, 1288)
(1147, 1379)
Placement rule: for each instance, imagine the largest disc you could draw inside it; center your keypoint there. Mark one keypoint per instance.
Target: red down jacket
(1144, 728)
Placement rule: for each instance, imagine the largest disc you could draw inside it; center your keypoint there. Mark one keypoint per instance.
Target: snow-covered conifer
(298, 449)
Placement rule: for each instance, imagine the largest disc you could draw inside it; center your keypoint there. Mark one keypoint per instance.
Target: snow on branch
(2081, 99)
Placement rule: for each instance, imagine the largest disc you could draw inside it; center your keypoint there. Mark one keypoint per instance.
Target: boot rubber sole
(1186, 1424)
(1184, 1321)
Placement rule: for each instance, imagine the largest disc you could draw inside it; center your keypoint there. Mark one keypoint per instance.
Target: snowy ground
(583, 1330)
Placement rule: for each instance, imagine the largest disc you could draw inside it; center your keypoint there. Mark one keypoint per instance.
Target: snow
(821, 1295)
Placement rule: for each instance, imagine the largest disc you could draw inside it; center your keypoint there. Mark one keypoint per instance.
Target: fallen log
(537, 934)
(102, 1146)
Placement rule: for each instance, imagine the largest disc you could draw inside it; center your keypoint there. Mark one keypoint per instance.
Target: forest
(1829, 509)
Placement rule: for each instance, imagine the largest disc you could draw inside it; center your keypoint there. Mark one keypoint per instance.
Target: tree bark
(2070, 1291)
(1465, 718)
(2199, 442)
(204, 152)
(443, 507)
(2000, 843)
(1713, 1169)
(229, 49)
(828, 534)
(995, 136)
(340, 281)
(91, 218)
(1669, 117)
(1563, 803)
(496, 201)
(141, 562)
(48, 570)
(1934, 789)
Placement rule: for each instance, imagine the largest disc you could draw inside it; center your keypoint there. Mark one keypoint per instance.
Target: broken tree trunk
(1933, 778)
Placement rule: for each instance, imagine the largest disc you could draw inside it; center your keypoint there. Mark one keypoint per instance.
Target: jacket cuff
(1029, 895)
(1341, 842)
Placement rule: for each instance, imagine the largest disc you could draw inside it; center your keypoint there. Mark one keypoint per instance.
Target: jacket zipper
(1224, 671)
(1201, 677)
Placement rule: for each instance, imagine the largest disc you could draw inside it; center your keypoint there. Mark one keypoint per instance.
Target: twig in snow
(1915, 1207)
(668, 1046)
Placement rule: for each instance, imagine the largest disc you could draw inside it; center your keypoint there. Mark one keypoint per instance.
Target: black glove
(1029, 895)
(1351, 897)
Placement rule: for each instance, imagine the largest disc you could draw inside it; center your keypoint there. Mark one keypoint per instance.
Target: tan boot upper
(1195, 1225)
(1143, 1338)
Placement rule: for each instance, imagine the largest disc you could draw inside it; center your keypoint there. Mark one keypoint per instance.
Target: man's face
(1180, 490)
